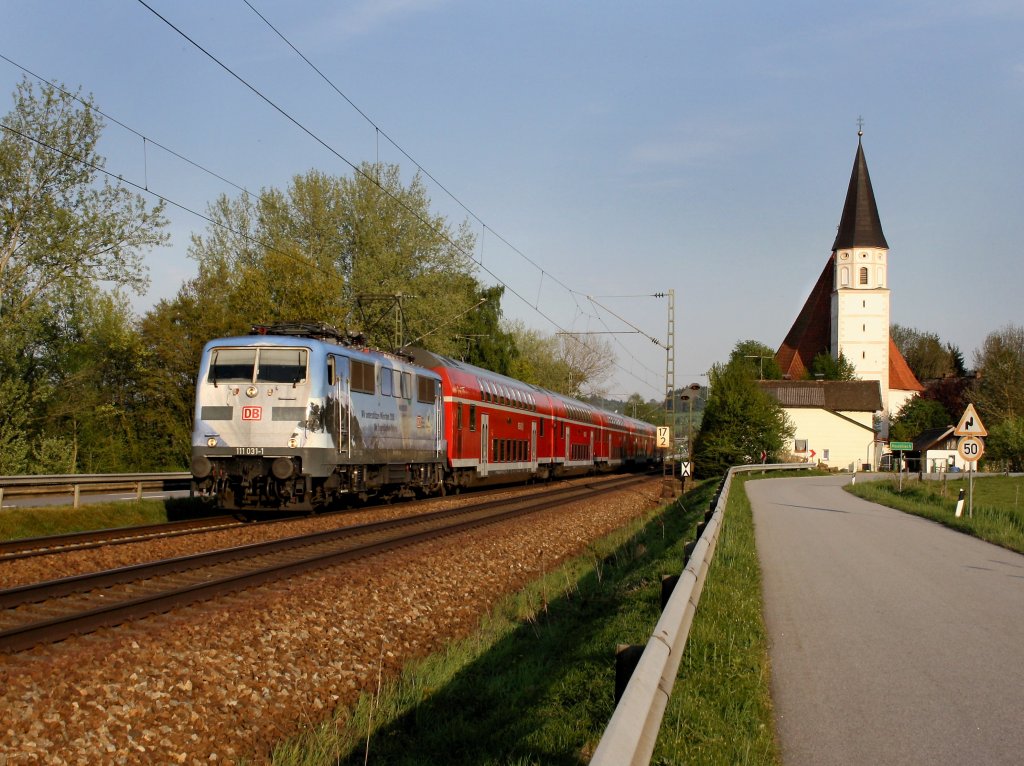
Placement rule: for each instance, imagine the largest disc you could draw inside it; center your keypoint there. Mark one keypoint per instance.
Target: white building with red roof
(847, 311)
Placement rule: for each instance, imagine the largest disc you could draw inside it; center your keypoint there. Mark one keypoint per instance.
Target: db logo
(252, 413)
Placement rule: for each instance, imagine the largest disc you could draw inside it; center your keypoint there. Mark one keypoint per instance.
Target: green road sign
(901, 446)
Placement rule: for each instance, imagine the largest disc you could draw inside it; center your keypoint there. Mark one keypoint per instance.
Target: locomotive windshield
(262, 365)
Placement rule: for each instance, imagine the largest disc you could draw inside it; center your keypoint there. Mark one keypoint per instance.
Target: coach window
(458, 416)
(407, 385)
(472, 417)
(541, 427)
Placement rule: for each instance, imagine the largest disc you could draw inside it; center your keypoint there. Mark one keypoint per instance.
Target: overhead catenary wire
(145, 185)
(359, 170)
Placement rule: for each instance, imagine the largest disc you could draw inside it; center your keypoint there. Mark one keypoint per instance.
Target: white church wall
(835, 441)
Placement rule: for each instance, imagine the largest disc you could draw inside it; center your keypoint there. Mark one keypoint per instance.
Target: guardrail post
(668, 584)
(1, 497)
(138, 491)
(76, 488)
(626, 658)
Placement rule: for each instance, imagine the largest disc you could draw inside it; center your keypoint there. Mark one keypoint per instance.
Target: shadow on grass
(544, 693)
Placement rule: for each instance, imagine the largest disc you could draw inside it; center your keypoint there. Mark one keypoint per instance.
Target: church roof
(901, 377)
(860, 225)
(811, 333)
(833, 395)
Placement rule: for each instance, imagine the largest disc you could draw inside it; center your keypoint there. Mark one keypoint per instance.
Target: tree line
(86, 386)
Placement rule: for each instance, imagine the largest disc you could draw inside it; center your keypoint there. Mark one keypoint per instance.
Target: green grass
(17, 523)
(998, 505)
(535, 684)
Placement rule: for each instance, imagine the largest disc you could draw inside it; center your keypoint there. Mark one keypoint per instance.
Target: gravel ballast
(227, 679)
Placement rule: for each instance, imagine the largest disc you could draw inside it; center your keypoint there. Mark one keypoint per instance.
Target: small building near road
(937, 450)
(834, 420)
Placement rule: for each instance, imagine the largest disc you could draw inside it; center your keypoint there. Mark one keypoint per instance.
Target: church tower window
(863, 275)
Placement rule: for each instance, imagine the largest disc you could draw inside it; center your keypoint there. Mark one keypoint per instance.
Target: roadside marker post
(960, 504)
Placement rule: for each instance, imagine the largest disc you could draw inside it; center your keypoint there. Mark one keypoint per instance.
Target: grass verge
(535, 683)
(18, 523)
(998, 505)
(720, 711)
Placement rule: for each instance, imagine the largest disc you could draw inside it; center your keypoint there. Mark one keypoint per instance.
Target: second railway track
(54, 610)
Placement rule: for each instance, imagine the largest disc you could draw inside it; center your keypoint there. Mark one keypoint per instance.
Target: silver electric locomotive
(298, 417)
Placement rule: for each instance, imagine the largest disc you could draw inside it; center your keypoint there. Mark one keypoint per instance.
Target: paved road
(893, 639)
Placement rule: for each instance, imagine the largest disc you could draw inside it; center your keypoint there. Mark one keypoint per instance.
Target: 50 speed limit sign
(970, 448)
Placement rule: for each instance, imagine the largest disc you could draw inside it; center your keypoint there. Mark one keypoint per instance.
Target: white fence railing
(632, 732)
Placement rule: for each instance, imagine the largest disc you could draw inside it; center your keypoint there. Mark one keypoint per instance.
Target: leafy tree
(740, 420)
(487, 343)
(363, 250)
(925, 353)
(538, 360)
(999, 394)
(62, 224)
(827, 367)
(760, 357)
(563, 363)
(917, 415)
(1006, 442)
(64, 231)
(953, 393)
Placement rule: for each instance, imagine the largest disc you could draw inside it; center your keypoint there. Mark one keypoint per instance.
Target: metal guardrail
(632, 732)
(75, 481)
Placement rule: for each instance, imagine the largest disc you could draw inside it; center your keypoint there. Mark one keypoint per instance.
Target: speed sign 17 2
(970, 448)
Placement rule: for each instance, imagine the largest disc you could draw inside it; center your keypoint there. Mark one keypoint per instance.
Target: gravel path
(219, 681)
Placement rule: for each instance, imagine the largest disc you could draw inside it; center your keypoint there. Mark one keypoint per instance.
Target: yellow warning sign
(970, 424)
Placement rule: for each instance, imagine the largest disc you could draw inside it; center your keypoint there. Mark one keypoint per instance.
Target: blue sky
(623, 148)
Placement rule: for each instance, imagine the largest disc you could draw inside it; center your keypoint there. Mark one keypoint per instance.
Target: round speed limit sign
(970, 448)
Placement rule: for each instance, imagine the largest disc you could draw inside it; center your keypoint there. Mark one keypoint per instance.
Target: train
(301, 417)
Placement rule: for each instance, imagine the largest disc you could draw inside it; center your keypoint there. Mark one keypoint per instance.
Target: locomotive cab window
(260, 365)
(281, 365)
(406, 389)
(232, 365)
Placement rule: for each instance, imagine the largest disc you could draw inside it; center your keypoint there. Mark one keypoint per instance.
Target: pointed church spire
(860, 225)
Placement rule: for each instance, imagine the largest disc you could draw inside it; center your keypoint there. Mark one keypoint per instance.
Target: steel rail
(27, 547)
(631, 734)
(28, 634)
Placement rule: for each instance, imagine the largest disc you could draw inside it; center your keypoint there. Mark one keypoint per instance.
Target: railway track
(28, 547)
(54, 610)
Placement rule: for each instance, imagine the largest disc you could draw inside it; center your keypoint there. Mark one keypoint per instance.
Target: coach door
(533, 444)
(484, 443)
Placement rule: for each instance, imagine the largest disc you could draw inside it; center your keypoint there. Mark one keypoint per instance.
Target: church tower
(860, 296)
(847, 311)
